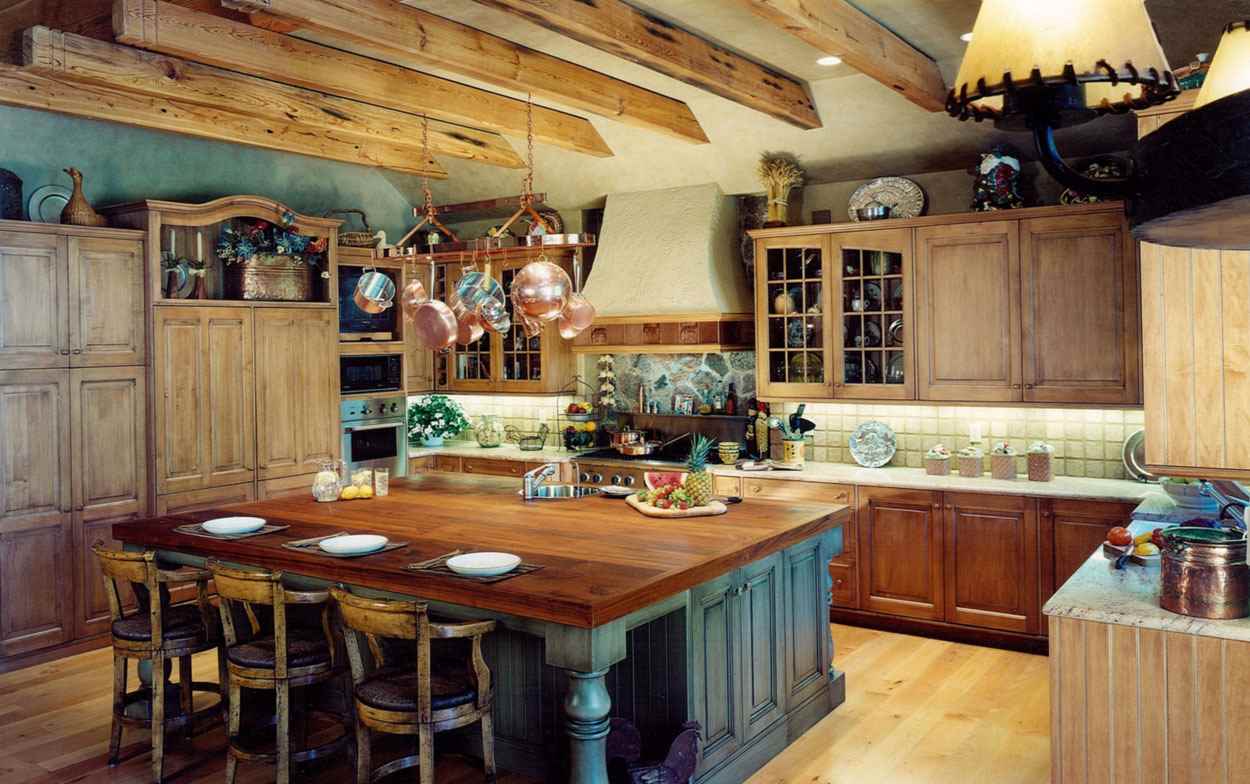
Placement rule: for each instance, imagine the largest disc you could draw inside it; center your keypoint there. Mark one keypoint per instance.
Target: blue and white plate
(873, 444)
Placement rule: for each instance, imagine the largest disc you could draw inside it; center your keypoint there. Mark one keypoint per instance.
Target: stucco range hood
(667, 276)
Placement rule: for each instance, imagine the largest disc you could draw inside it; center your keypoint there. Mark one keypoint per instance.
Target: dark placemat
(439, 566)
(314, 546)
(195, 529)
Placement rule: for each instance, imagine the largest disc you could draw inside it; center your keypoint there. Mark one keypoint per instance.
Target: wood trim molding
(618, 28)
(838, 28)
(668, 334)
(398, 33)
(948, 219)
(214, 40)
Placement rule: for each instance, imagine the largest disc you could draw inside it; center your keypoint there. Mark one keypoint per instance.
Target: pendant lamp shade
(1103, 52)
(1230, 70)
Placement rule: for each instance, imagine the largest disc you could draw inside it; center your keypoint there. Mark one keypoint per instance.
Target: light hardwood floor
(917, 710)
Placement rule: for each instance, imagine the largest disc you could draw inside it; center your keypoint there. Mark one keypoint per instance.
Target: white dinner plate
(353, 544)
(483, 564)
(616, 491)
(228, 526)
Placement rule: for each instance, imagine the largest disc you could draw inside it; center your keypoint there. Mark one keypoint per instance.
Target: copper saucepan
(644, 448)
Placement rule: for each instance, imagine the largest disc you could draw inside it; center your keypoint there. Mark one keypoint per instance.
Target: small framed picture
(683, 404)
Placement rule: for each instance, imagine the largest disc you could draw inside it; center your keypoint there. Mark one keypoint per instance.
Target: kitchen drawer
(845, 590)
(286, 487)
(726, 485)
(791, 490)
(477, 465)
(420, 465)
(447, 463)
(208, 498)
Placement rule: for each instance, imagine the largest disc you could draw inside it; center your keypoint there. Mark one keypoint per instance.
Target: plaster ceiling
(868, 130)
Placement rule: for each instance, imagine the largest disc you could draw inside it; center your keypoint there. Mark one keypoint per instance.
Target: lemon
(349, 493)
(1145, 548)
(591, 427)
(365, 491)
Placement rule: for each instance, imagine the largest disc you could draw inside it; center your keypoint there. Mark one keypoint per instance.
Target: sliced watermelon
(657, 479)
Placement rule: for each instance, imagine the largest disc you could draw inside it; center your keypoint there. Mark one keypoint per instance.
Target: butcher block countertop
(601, 560)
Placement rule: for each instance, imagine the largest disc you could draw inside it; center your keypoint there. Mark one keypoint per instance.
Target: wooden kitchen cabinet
(34, 294)
(763, 658)
(491, 467)
(1080, 310)
(1070, 532)
(793, 299)
(872, 335)
(900, 558)
(297, 391)
(209, 498)
(968, 312)
(991, 553)
(106, 303)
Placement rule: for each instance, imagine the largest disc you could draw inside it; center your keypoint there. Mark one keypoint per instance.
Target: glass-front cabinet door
(521, 366)
(794, 298)
(472, 366)
(872, 333)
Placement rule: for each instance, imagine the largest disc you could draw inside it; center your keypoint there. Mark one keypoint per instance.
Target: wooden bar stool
(413, 698)
(275, 658)
(159, 632)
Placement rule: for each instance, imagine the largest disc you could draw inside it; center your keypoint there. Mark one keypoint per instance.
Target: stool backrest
(378, 619)
(140, 571)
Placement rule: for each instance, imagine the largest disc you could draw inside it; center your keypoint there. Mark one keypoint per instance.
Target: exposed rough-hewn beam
(54, 53)
(397, 33)
(162, 27)
(836, 27)
(620, 29)
(19, 87)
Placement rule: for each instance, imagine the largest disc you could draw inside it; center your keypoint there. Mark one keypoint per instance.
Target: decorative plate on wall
(904, 197)
(873, 444)
(46, 203)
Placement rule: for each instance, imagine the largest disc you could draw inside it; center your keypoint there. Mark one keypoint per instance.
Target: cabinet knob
(838, 582)
(64, 352)
(937, 507)
(1028, 386)
(1015, 386)
(949, 507)
(77, 351)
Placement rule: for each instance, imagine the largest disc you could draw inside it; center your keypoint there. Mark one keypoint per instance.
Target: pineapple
(698, 482)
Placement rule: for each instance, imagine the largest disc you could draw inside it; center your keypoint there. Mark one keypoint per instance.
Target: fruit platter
(1123, 546)
(680, 493)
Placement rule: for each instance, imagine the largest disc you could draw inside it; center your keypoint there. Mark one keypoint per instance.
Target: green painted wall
(122, 163)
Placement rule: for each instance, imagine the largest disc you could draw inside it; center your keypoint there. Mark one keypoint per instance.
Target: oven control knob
(597, 478)
(394, 407)
(366, 410)
(616, 479)
(584, 477)
(629, 481)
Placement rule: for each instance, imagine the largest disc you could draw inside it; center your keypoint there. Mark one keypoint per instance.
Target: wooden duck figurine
(78, 211)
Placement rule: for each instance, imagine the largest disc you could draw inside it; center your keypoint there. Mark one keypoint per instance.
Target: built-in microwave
(371, 373)
(356, 324)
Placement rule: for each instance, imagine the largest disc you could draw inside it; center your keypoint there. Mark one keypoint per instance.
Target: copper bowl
(577, 315)
(540, 290)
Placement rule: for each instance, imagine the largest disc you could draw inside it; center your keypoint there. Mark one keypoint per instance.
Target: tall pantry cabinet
(73, 412)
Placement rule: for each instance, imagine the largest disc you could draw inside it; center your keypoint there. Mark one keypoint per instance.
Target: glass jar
(489, 431)
(329, 480)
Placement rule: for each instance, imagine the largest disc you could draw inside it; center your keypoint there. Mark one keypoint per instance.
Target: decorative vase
(10, 195)
(792, 452)
(937, 466)
(489, 431)
(970, 467)
(433, 441)
(1003, 466)
(78, 211)
(1041, 467)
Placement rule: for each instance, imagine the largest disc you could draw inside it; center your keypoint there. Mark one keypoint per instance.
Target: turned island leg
(586, 710)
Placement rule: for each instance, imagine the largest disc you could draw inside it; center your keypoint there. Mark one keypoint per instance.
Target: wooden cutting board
(714, 508)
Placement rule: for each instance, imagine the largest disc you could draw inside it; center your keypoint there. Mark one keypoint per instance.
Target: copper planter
(270, 277)
(1204, 573)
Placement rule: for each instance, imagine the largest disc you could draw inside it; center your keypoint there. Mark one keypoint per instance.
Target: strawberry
(663, 503)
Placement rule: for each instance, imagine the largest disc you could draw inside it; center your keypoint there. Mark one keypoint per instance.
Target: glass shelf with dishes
(793, 280)
(872, 356)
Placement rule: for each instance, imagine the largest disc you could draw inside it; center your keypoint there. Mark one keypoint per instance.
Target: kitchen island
(720, 620)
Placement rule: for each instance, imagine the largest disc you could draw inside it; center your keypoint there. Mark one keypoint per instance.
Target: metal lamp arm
(1053, 162)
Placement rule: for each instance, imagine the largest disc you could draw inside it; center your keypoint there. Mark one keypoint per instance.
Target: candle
(974, 432)
(173, 249)
(199, 246)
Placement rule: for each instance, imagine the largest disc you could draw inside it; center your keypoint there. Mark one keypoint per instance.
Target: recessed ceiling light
(829, 60)
(966, 38)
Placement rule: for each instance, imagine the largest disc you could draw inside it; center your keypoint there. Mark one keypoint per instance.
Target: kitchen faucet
(534, 479)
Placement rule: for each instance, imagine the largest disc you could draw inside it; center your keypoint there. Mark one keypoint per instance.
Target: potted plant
(272, 262)
(434, 417)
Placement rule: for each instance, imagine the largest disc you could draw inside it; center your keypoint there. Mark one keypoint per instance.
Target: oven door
(377, 444)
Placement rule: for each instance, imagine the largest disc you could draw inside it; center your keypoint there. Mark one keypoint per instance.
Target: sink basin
(562, 492)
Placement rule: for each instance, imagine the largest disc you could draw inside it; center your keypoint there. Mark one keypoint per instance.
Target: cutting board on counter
(714, 508)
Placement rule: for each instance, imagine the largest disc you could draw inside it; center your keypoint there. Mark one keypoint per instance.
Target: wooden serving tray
(714, 508)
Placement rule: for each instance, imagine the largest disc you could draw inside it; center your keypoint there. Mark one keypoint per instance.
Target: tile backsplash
(525, 412)
(1087, 442)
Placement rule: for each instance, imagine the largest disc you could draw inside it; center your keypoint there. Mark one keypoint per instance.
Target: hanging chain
(527, 194)
(425, 165)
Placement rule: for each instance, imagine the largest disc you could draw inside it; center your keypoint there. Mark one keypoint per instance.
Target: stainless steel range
(609, 467)
(375, 433)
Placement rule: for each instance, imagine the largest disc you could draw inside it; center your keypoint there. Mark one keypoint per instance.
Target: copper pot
(375, 292)
(540, 290)
(413, 295)
(435, 325)
(577, 315)
(1204, 573)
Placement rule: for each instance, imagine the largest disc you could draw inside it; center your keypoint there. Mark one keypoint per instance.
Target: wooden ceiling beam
(838, 28)
(20, 87)
(170, 29)
(398, 33)
(620, 29)
(87, 60)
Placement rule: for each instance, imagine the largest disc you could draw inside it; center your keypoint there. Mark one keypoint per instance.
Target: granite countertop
(1130, 597)
(549, 454)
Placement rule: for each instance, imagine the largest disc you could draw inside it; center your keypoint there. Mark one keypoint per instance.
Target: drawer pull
(838, 582)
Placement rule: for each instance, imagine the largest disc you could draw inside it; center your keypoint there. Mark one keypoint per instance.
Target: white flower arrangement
(435, 416)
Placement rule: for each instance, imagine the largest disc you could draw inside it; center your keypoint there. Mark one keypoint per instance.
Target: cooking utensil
(468, 324)
(577, 315)
(1134, 456)
(626, 435)
(873, 210)
(435, 325)
(794, 418)
(375, 292)
(229, 526)
(806, 426)
(1204, 573)
(540, 290)
(413, 295)
(645, 448)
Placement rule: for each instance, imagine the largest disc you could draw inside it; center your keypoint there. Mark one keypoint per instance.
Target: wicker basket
(1041, 467)
(356, 239)
(937, 466)
(1003, 466)
(971, 467)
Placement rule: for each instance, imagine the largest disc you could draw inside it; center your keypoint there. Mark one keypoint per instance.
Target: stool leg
(283, 739)
(120, 666)
(364, 754)
(232, 727)
(488, 745)
(184, 695)
(223, 684)
(425, 750)
(158, 718)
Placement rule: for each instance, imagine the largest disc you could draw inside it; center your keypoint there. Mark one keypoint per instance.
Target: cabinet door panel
(106, 302)
(34, 301)
(1075, 529)
(35, 450)
(793, 296)
(807, 621)
(110, 441)
(715, 634)
(762, 643)
(209, 498)
(36, 588)
(228, 413)
(968, 301)
(900, 552)
(297, 390)
(1079, 291)
(93, 612)
(992, 561)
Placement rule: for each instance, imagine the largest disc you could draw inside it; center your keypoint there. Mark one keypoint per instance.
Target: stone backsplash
(700, 375)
